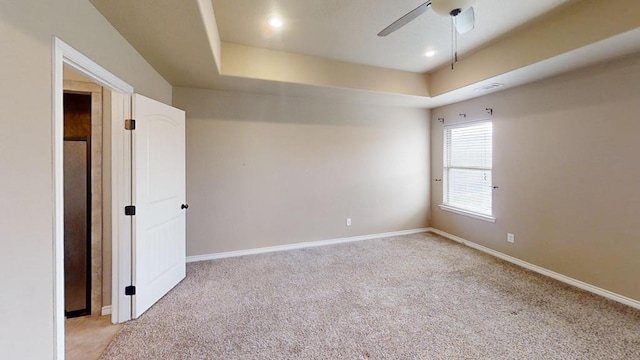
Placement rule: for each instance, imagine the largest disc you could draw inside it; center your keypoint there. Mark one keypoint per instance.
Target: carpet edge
(542, 271)
(302, 245)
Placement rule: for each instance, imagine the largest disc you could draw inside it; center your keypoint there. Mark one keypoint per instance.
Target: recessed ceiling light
(275, 22)
(430, 53)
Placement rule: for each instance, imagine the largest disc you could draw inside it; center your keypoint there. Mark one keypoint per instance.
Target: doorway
(117, 228)
(83, 196)
(87, 200)
(125, 172)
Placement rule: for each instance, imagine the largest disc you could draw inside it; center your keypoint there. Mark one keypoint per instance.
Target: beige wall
(26, 225)
(256, 63)
(566, 161)
(266, 170)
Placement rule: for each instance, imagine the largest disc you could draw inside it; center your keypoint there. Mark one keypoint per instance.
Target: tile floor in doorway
(87, 337)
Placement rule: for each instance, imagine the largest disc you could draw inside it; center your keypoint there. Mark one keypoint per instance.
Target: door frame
(63, 54)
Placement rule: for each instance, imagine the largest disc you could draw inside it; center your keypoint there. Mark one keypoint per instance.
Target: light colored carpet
(410, 297)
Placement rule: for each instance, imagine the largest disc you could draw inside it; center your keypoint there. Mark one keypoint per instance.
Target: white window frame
(446, 181)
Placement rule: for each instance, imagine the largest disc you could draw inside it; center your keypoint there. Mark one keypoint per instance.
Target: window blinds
(467, 167)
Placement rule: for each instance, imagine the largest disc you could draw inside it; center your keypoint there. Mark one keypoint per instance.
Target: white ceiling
(346, 29)
(325, 45)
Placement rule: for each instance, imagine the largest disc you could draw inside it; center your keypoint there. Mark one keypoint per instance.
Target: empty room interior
(297, 179)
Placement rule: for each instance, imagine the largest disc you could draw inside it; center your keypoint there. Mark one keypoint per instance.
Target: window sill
(471, 214)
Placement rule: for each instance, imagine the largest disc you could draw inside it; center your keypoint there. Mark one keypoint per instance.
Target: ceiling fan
(462, 19)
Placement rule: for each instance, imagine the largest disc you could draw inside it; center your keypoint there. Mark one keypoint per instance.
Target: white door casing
(65, 55)
(159, 250)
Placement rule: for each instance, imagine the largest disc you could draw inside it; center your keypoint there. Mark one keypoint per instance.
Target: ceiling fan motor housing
(451, 7)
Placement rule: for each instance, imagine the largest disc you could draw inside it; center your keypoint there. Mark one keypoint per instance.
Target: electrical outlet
(348, 222)
(511, 238)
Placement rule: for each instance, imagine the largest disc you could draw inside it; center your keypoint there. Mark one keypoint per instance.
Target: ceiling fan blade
(466, 21)
(405, 19)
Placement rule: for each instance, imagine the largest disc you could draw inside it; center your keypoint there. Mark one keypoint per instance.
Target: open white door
(159, 251)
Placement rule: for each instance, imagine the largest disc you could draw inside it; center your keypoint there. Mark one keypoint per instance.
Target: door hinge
(130, 210)
(129, 124)
(130, 290)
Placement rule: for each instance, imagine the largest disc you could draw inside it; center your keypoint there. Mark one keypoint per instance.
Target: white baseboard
(540, 270)
(106, 310)
(303, 245)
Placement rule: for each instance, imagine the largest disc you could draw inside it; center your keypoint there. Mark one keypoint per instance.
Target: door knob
(184, 206)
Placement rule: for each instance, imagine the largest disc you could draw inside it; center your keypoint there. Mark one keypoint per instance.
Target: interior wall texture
(267, 170)
(26, 143)
(566, 163)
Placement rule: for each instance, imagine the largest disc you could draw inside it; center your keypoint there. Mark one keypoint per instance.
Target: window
(467, 184)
